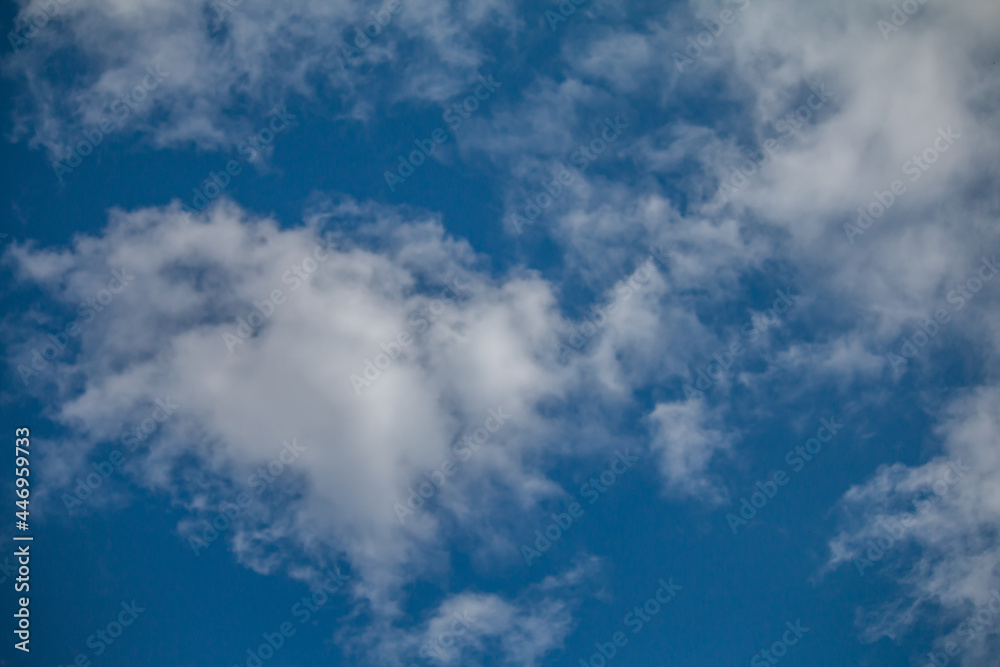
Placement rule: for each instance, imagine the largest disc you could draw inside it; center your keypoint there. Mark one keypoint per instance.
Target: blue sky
(672, 341)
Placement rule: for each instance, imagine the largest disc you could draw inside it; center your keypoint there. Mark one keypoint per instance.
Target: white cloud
(686, 443)
(947, 510)
(465, 627)
(247, 56)
(493, 347)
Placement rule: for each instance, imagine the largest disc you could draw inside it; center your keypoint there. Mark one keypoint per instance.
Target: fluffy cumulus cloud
(372, 387)
(220, 310)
